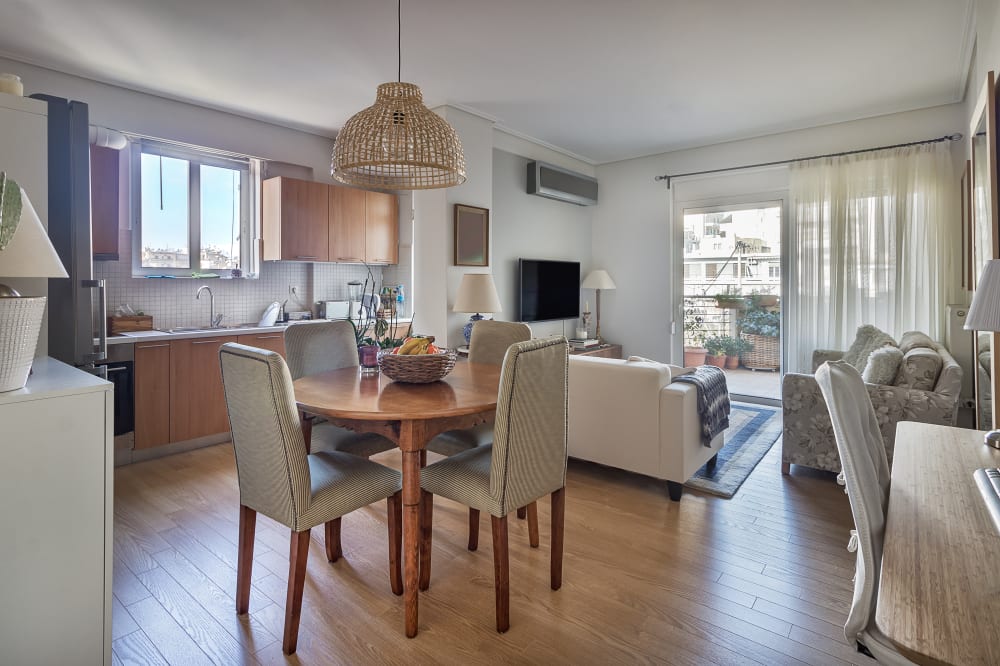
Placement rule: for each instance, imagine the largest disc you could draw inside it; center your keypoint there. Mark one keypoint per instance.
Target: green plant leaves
(10, 209)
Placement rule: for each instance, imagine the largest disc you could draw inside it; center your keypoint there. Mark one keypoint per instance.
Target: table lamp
(598, 279)
(476, 293)
(984, 315)
(25, 252)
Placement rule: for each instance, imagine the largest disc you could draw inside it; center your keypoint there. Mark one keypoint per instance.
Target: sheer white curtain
(875, 239)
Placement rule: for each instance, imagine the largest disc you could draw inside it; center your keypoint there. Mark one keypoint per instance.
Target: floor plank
(763, 578)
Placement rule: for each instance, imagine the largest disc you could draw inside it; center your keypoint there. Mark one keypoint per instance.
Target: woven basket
(418, 368)
(764, 355)
(20, 322)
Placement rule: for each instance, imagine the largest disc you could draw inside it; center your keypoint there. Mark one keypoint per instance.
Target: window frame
(249, 170)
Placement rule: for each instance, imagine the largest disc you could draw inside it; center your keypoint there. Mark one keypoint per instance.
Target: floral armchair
(926, 389)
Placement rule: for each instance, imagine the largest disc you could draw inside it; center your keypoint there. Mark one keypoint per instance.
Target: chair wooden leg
(244, 558)
(423, 458)
(395, 520)
(332, 539)
(533, 524)
(501, 572)
(426, 518)
(786, 468)
(298, 554)
(473, 529)
(522, 512)
(558, 524)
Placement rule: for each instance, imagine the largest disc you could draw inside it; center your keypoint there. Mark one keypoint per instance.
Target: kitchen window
(194, 211)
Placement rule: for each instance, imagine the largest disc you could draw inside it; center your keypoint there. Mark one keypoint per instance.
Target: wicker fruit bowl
(417, 368)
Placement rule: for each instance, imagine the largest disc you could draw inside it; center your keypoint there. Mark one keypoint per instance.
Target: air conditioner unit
(552, 182)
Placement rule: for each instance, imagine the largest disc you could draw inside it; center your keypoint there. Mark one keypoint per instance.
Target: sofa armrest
(681, 450)
(821, 356)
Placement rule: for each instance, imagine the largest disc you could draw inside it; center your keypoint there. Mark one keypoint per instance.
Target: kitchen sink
(205, 329)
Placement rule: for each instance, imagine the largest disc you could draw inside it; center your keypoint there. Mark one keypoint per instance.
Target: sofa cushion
(883, 365)
(867, 340)
(914, 339)
(920, 369)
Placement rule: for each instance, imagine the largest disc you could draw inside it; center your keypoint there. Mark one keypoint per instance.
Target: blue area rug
(753, 430)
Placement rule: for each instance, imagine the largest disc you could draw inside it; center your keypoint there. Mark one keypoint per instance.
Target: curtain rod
(669, 177)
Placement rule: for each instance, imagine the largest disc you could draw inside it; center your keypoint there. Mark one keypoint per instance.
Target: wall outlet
(293, 290)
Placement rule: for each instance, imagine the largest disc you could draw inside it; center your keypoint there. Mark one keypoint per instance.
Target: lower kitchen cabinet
(272, 341)
(152, 394)
(197, 401)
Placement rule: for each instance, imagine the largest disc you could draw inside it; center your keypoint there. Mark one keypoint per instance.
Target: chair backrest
(490, 339)
(529, 435)
(866, 473)
(271, 459)
(312, 348)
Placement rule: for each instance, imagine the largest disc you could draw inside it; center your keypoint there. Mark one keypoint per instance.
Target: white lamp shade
(30, 253)
(984, 313)
(477, 293)
(598, 279)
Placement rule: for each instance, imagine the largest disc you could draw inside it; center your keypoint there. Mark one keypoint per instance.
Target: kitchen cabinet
(56, 494)
(108, 194)
(272, 341)
(197, 401)
(381, 228)
(295, 220)
(152, 394)
(347, 224)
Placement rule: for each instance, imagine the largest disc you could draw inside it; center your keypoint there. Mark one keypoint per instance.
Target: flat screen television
(549, 289)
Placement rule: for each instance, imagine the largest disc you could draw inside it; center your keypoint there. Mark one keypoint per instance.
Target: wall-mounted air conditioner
(550, 181)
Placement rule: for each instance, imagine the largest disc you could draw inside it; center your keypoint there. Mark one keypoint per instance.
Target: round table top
(469, 388)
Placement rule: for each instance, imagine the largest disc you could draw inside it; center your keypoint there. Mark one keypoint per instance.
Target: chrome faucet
(213, 321)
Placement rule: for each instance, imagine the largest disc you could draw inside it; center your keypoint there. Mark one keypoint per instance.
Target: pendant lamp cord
(399, 41)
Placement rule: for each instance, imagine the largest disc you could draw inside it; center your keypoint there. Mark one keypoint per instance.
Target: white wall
(631, 229)
(534, 227)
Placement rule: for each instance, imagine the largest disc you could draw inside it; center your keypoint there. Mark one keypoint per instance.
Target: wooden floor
(762, 578)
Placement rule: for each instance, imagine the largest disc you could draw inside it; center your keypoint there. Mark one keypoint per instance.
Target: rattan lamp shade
(397, 143)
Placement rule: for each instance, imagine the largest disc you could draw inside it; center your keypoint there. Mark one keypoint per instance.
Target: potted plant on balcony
(730, 299)
(694, 338)
(716, 347)
(761, 327)
(734, 348)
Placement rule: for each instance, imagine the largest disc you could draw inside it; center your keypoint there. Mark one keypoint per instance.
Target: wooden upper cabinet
(108, 194)
(295, 220)
(381, 228)
(347, 224)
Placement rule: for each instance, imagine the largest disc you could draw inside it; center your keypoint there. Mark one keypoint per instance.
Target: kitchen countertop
(156, 335)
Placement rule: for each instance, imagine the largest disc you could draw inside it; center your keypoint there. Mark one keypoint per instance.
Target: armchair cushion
(867, 340)
(919, 370)
(913, 340)
(883, 365)
(821, 356)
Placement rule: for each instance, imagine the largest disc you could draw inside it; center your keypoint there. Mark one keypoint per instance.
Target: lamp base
(467, 331)
(992, 438)
(20, 322)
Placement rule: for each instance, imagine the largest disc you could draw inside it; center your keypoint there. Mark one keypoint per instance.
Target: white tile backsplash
(172, 302)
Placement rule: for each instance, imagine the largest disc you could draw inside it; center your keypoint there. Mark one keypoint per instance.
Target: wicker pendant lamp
(398, 143)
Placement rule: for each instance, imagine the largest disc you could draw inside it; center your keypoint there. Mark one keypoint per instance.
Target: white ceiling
(603, 80)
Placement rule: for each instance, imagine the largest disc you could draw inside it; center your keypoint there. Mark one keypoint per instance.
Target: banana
(409, 346)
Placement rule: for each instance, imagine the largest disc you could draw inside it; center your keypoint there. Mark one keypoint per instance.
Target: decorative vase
(694, 356)
(718, 360)
(467, 331)
(368, 356)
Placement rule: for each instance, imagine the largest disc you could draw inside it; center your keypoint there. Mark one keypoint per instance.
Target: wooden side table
(604, 351)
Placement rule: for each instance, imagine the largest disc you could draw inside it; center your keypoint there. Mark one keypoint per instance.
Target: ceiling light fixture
(398, 143)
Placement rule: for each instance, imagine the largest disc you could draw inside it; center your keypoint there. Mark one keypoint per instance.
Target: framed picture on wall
(472, 236)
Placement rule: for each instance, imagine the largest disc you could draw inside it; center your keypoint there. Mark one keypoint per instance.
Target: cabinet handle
(305, 257)
(204, 342)
(268, 337)
(354, 259)
(165, 344)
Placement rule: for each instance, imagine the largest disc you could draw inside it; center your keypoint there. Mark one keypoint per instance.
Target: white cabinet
(56, 493)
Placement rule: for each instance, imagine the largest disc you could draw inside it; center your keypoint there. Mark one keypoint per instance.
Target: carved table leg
(411, 439)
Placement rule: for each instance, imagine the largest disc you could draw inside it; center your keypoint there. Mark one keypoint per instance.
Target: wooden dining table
(939, 594)
(409, 415)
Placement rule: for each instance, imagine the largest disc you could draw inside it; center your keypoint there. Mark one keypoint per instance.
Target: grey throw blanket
(713, 400)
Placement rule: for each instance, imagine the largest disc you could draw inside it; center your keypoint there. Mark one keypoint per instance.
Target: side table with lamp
(598, 279)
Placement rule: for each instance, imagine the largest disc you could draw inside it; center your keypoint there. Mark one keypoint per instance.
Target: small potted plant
(734, 348)
(694, 338)
(716, 351)
(730, 299)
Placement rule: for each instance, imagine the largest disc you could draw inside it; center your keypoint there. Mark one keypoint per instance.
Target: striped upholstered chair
(488, 344)
(316, 347)
(280, 480)
(526, 461)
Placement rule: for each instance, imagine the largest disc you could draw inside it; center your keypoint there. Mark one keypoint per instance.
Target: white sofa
(628, 415)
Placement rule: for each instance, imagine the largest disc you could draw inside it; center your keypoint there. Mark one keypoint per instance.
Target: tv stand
(606, 350)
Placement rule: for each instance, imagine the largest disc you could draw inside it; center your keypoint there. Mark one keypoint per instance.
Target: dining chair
(280, 480)
(488, 343)
(314, 347)
(866, 476)
(526, 461)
